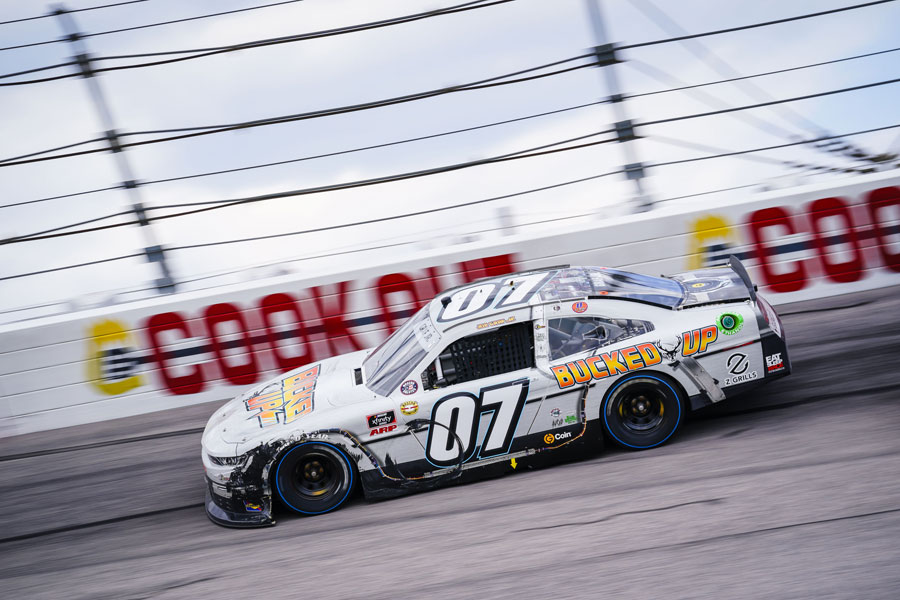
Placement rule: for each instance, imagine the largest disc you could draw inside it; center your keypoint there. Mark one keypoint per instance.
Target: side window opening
(502, 350)
(572, 335)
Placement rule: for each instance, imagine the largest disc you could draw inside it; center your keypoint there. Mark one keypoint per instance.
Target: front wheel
(314, 477)
(641, 411)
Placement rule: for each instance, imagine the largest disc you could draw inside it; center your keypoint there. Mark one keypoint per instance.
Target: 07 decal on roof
(471, 300)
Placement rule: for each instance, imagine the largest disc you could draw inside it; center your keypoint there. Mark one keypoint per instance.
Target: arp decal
(383, 418)
(774, 363)
(112, 358)
(730, 323)
(607, 364)
(290, 402)
(460, 414)
(383, 429)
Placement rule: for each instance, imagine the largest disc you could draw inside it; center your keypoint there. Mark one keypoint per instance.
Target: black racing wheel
(642, 411)
(314, 477)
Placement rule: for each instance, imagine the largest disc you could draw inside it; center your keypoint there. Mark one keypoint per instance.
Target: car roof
(550, 285)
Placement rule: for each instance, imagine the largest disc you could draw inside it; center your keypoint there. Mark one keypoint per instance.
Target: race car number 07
(461, 414)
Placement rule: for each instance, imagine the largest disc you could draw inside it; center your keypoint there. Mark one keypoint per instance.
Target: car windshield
(389, 364)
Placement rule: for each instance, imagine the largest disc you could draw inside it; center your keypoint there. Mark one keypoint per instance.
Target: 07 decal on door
(461, 414)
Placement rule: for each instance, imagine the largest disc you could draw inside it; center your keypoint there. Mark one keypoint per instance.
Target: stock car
(496, 371)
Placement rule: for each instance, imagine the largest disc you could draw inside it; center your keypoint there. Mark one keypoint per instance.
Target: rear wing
(738, 267)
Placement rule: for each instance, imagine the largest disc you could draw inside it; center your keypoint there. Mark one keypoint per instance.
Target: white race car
(489, 375)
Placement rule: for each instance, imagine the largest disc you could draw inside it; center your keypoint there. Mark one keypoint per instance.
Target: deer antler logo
(670, 351)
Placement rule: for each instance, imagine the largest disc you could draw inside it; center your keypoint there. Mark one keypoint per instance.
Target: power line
(146, 26)
(775, 147)
(202, 52)
(214, 129)
(762, 159)
(751, 26)
(743, 77)
(771, 103)
(72, 195)
(713, 60)
(76, 266)
(218, 204)
(524, 192)
(312, 157)
(74, 10)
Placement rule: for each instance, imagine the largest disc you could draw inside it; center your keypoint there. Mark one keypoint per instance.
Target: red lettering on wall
(877, 201)
(243, 373)
(191, 383)
(393, 284)
(765, 218)
(333, 311)
(841, 271)
(282, 303)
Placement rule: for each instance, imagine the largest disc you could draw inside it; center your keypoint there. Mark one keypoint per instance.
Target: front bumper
(235, 507)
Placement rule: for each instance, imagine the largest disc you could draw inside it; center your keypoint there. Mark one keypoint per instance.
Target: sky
(392, 61)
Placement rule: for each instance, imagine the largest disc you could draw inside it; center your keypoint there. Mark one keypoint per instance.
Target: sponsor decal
(632, 358)
(556, 307)
(252, 507)
(383, 418)
(743, 378)
(495, 323)
(711, 241)
(113, 359)
(409, 387)
(571, 419)
(580, 307)
(410, 407)
(382, 430)
(550, 438)
(288, 402)
(737, 363)
(774, 363)
(730, 323)
(555, 413)
(313, 436)
(606, 365)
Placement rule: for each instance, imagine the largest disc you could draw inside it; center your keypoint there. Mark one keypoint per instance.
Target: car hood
(303, 399)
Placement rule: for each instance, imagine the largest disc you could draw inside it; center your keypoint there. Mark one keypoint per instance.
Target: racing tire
(642, 411)
(314, 477)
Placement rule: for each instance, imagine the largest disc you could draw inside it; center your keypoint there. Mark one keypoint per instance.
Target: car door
(479, 393)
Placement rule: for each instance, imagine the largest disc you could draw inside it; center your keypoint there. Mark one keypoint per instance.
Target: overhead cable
(73, 10)
(751, 26)
(214, 129)
(217, 204)
(312, 157)
(202, 52)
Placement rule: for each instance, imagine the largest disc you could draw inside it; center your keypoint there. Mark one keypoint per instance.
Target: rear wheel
(314, 477)
(642, 411)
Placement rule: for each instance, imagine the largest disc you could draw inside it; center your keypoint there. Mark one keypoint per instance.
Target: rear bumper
(236, 508)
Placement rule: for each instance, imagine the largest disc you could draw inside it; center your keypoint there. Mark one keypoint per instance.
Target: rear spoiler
(738, 267)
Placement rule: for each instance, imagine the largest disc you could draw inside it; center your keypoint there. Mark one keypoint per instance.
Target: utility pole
(606, 58)
(165, 284)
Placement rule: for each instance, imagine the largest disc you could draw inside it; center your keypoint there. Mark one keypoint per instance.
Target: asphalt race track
(793, 492)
